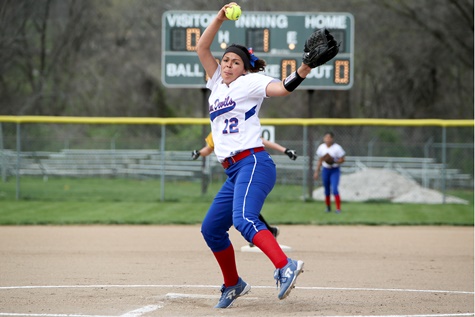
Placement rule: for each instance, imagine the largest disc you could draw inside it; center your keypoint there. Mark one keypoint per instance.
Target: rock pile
(382, 184)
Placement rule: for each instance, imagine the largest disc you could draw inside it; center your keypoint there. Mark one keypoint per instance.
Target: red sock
(265, 241)
(337, 202)
(327, 200)
(227, 263)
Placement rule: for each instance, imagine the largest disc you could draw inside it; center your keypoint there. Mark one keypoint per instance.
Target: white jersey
(335, 151)
(234, 110)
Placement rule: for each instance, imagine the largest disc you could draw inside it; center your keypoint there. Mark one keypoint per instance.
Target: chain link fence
(389, 160)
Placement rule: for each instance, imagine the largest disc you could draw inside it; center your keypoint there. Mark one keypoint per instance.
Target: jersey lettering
(221, 107)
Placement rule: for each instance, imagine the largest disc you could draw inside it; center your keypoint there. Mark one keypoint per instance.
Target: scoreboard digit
(278, 38)
(258, 39)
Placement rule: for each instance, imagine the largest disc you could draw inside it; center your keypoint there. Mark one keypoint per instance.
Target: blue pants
(331, 178)
(239, 201)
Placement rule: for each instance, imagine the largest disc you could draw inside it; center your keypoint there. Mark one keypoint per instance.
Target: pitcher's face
(232, 67)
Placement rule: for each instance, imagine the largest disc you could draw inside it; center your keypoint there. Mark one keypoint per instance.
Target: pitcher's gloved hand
(319, 48)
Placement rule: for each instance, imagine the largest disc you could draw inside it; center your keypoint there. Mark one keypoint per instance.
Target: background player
(330, 155)
(237, 92)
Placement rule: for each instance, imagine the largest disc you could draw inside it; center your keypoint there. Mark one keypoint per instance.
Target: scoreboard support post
(204, 107)
(310, 148)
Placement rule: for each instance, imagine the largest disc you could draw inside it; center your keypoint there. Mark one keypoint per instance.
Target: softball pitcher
(237, 93)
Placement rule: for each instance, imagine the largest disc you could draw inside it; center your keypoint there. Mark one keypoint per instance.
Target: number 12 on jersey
(231, 126)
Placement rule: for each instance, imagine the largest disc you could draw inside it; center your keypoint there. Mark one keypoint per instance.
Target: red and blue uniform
(236, 129)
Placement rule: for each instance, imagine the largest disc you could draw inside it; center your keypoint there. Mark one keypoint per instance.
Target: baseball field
(132, 271)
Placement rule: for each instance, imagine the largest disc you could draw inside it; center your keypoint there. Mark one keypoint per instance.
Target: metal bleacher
(104, 163)
(178, 165)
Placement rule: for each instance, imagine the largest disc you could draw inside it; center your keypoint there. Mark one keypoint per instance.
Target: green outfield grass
(60, 201)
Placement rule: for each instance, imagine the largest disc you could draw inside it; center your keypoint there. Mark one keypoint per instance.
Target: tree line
(413, 59)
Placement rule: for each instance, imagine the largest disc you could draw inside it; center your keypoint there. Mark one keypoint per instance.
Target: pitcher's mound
(247, 248)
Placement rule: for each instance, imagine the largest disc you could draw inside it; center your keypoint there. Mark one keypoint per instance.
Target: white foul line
(141, 311)
(256, 287)
(384, 290)
(134, 313)
(51, 315)
(429, 315)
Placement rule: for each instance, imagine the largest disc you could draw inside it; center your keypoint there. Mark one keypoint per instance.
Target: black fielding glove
(319, 48)
(195, 154)
(291, 154)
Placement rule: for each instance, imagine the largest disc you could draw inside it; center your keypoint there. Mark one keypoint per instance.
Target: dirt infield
(133, 271)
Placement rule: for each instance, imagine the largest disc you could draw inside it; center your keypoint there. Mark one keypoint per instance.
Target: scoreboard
(276, 37)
